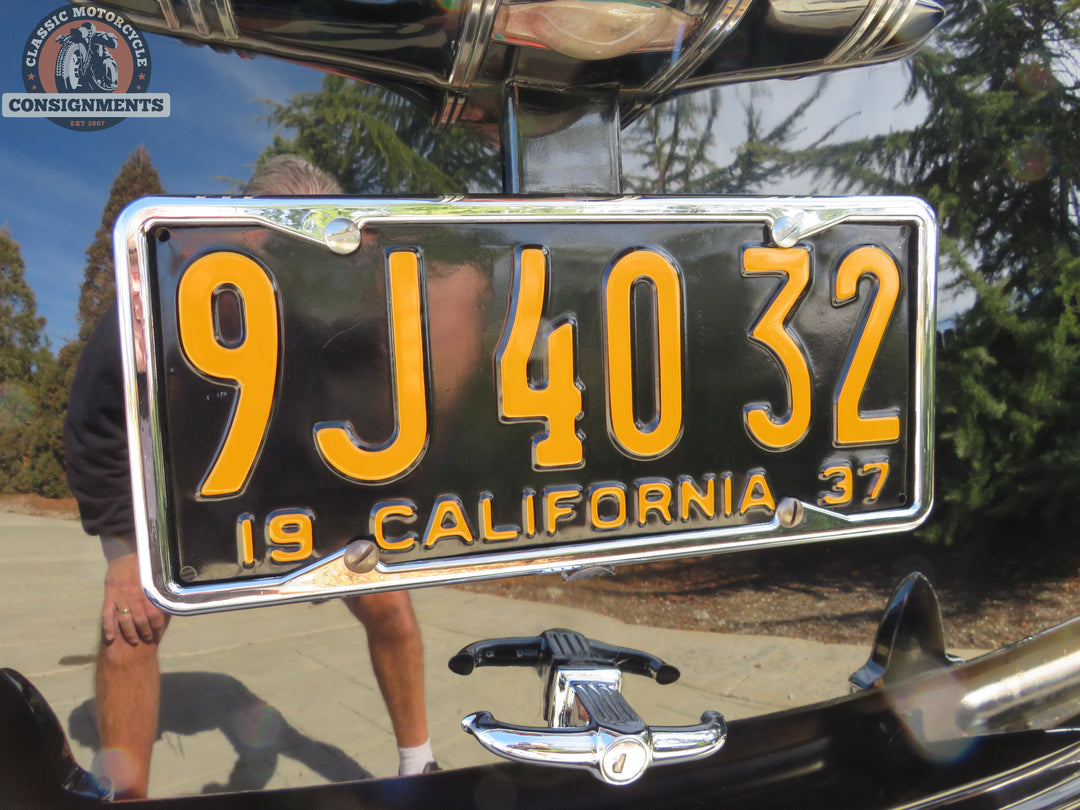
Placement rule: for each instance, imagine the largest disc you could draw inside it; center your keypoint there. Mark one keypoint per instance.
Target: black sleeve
(95, 435)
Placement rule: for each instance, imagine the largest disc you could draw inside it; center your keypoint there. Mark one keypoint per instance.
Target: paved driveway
(285, 696)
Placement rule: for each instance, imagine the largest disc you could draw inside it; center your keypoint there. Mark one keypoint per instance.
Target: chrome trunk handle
(590, 724)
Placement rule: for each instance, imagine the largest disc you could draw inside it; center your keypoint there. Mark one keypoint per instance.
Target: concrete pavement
(285, 696)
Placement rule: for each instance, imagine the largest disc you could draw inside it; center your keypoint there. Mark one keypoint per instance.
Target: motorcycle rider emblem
(85, 67)
(85, 63)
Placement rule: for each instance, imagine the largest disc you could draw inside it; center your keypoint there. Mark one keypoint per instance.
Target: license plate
(460, 389)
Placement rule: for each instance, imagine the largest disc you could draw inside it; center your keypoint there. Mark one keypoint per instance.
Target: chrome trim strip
(887, 52)
(475, 33)
(717, 27)
(306, 219)
(1062, 761)
(887, 31)
(168, 11)
(1028, 692)
(450, 111)
(227, 18)
(872, 32)
(135, 345)
(198, 17)
(476, 25)
(875, 11)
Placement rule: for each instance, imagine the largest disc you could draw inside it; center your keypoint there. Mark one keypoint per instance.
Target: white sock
(412, 760)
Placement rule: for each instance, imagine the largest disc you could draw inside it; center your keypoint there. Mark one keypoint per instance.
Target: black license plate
(472, 388)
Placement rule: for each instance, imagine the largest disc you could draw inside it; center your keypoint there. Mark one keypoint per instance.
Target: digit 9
(245, 355)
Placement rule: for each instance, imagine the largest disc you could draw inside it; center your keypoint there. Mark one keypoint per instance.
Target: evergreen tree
(137, 178)
(26, 408)
(34, 385)
(670, 149)
(667, 150)
(375, 142)
(998, 158)
(21, 330)
(41, 439)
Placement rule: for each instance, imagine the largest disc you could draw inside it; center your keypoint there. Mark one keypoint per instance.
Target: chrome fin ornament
(458, 59)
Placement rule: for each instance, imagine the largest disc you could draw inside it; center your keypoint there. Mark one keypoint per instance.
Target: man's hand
(127, 611)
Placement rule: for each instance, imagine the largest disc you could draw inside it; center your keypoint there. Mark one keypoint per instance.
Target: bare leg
(128, 689)
(397, 656)
(127, 680)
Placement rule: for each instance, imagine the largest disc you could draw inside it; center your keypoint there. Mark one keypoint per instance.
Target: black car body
(652, 163)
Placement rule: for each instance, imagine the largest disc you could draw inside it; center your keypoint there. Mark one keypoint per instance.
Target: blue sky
(55, 181)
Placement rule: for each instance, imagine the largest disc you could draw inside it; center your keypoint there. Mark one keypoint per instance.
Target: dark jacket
(95, 435)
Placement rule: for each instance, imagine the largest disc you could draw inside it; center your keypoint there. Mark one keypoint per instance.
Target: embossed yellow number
(337, 442)
(842, 485)
(880, 471)
(638, 438)
(771, 432)
(840, 476)
(249, 363)
(289, 533)
(851, 427)
(557, 401)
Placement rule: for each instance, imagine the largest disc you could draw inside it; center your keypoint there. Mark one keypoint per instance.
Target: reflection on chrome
(588, 30)
(815, 16)
(457, 60)
(1033, 684)
(1040, 695)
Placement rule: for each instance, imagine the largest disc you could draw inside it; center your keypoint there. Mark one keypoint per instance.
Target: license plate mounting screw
(790, 512)
(361, 556)
(342, 235)
(786, 229)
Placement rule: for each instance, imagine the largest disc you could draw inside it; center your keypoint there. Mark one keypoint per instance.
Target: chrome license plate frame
(147, 276)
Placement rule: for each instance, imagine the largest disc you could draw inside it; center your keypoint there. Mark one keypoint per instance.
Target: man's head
(287, 175)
